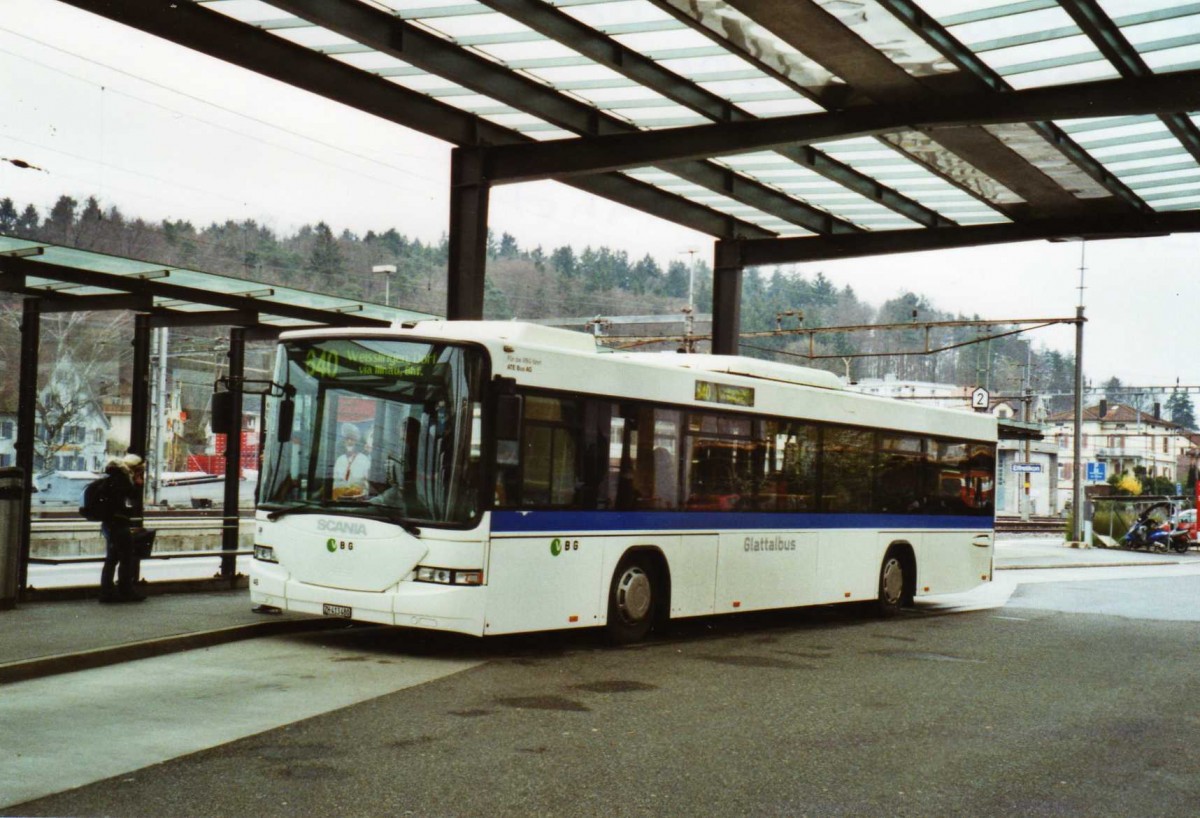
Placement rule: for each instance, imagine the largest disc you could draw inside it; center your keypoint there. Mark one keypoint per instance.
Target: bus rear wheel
(632, 601)
(893, 583)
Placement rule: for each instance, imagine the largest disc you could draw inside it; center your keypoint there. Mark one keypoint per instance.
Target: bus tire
(633, 599)
(897, 576)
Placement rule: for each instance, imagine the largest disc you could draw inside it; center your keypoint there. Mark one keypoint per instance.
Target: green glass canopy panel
(52, 270)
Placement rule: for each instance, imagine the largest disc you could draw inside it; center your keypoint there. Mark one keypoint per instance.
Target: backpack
(97, 501)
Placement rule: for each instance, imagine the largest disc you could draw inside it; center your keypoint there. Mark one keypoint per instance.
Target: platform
(74, 632)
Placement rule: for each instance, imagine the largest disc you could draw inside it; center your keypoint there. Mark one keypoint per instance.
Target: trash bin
(12, 484)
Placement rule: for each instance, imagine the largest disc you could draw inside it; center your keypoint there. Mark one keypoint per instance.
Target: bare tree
(81, 358)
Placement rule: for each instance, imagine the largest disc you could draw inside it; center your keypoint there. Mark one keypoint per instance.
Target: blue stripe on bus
(560, 521)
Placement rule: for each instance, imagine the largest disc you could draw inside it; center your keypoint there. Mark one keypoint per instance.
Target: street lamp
(689, 312)
(388, 270)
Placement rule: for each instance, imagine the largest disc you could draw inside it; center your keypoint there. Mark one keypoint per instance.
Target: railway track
(1034, 525)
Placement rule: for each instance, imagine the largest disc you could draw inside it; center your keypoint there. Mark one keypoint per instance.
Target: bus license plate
(336, 610)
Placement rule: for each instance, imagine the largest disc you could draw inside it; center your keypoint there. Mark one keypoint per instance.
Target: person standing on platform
(111, 500)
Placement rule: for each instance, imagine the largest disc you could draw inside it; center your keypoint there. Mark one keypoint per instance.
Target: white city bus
(496, 478)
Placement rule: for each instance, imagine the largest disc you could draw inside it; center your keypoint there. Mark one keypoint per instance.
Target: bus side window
(952, 476)
(658, 466)
(720, 454)
(847, 458)
(900, 488)
(550, 452)
(595, 451)
(790, 478)
(644, 460)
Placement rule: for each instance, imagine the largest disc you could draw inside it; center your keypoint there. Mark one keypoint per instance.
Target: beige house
(1123, 439)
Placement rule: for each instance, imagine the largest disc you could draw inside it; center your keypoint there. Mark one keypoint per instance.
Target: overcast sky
(164, 132)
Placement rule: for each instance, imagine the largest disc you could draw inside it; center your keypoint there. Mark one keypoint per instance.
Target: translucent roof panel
(701, 195)
(1149, 159)
(700, 61)
(1165, 34)
(1030, 44)
(727, 23)
(790, 178)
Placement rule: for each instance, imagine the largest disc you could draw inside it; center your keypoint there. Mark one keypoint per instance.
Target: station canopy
(65, 278)
(799, 129)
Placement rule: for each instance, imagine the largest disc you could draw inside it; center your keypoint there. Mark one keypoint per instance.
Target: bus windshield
(381, 428)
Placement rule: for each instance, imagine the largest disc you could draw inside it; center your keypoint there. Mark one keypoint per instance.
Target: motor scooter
(1147, 533)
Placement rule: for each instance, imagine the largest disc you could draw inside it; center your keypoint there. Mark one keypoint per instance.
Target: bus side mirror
(221, 419)
(287, 415)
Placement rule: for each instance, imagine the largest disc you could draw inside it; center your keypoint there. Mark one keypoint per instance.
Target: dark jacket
(115, 495)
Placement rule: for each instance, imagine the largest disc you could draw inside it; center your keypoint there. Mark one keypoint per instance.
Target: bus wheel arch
(897, 578)
(639, 595)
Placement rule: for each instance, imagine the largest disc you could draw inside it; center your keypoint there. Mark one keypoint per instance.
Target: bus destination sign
(710, 392)
(327, 361)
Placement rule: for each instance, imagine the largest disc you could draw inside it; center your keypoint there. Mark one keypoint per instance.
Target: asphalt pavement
(43, 638)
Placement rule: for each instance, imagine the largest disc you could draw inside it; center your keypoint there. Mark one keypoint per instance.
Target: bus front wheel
(632, 601)
(893, 583)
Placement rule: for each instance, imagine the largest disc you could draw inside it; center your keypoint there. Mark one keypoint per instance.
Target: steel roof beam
(12, 282)
(205, 318)
(224, 38)
(162, 289)
(608, 52)
(1112, 43)
(819, 248)
(929, 30)
(393, 36)
(58, 302)
(1095, 99)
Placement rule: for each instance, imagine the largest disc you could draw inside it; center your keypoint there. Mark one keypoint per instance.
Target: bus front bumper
(425, 605)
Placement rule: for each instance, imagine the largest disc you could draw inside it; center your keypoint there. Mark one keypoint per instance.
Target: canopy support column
(139, 418)
(230, 523)
(469, 191)
(31, 330)
(727, 297)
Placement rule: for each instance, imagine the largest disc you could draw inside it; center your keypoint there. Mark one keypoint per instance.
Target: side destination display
(711, 392)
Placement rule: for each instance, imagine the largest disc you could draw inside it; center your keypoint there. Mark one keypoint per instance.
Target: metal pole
(1026, 398)
(1077, 477)
(160, 409)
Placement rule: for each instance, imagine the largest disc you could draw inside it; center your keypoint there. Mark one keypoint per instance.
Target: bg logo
(557, 546)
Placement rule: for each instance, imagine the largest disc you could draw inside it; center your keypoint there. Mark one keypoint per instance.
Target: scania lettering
(341, 527)
(494, 478)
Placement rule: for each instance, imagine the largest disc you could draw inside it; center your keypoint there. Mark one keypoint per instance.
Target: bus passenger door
(757, 570)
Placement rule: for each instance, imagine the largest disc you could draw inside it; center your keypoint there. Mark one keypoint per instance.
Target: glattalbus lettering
(774, 542)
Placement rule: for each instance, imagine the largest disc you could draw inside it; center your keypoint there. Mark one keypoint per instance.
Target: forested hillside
(542, 282)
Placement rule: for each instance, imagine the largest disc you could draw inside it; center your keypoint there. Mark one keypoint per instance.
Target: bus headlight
(265, 553)
(448, 576)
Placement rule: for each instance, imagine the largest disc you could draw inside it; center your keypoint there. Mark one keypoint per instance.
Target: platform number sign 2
(981, 399)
